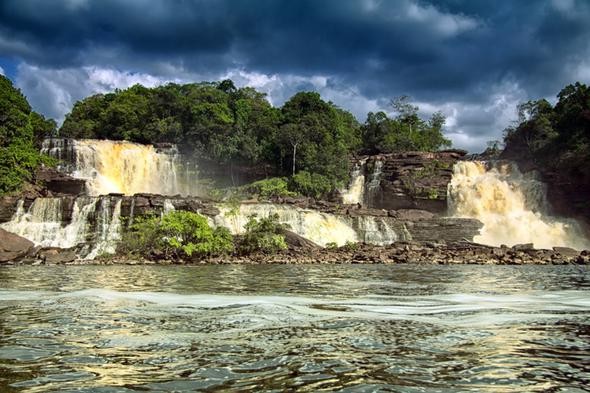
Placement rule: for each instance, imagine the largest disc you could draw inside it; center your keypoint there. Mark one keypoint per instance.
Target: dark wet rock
(13, 247)
(570, 252)
(409, 180)
(446, 229)
(8, 205)
(523, 247)
(60, 183)
(411, 214)
(367, 212)
(295, 241)
(55, 255)
(409, 252)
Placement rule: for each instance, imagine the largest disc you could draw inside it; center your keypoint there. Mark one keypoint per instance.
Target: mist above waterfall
(512, 206)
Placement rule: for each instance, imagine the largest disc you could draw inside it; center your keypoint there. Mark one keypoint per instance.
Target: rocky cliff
(410, 180)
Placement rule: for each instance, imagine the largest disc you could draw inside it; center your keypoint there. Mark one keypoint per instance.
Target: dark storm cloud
(450, 51)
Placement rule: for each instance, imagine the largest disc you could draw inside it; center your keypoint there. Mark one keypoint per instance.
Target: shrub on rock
(176, 234)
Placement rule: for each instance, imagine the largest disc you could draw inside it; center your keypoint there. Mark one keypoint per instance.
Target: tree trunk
(231, 173)
(294, 155)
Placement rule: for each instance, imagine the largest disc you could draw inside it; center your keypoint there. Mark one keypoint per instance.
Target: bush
(269, 188)
(311, 184)
(263, 234)
(331, 246)
(351, 246)
(176, 234)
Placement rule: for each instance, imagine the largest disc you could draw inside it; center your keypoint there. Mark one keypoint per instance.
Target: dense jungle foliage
(21, 131)
(554, 137)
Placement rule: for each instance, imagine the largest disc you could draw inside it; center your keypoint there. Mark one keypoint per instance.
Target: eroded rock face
(13, 247)
(59, 183)
(8, 205)
(409, 180)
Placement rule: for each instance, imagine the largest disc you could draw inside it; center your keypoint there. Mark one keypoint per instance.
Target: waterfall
(511, 206)
(117, 166)
(362, 189)
(355, 192)
(92, 221)
(108, 231)
(321, 228)
(43, 223)
(375, 230)
(373, 183)
(168, 206)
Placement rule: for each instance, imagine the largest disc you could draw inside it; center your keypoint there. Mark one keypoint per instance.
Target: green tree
(315, 135)
(556, 137)
(20, 131)
(407, 131)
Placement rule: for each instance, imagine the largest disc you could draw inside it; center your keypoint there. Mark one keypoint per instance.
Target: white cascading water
(118, 166)
(108, 229)
(361, 189)
(320, 228)
(375, 230)
(356, 189)
(42, 224)
(373, 183)
(510, 205)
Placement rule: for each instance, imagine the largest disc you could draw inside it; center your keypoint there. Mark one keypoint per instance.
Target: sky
(474, 60)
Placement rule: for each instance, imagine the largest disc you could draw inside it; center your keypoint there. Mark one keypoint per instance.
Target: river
(305, 328)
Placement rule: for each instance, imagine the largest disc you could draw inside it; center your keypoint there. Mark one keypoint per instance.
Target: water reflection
(305, 328)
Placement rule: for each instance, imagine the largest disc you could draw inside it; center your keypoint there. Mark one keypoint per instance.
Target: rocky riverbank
(18, 251)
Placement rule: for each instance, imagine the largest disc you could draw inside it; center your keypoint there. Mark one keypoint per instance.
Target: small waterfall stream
(365, 180)
(356, 189)
(42, 223)
(373, 183)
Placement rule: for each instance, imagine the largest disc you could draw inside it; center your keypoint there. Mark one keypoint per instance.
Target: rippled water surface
(295, 328)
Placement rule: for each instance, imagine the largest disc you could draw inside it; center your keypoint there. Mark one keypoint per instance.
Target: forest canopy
(554, 137)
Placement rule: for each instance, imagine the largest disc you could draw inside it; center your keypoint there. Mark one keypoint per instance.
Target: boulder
(13, 247)
(566, 251)
(523, 247)
(294, 240)
(56, 255)
(8, 206)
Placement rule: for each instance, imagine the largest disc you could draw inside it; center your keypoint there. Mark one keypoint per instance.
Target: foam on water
(447, 309)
